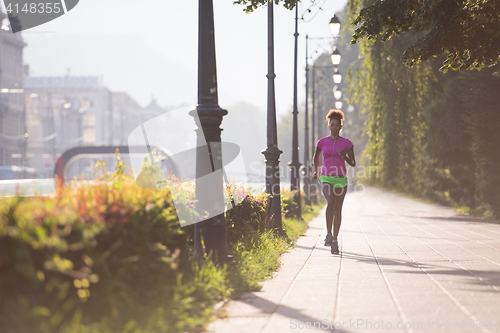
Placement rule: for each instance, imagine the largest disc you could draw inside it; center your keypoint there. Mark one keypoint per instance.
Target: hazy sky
(150, 47)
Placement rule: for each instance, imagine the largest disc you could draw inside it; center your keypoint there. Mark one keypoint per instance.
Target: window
(89, 135)
(89, 119)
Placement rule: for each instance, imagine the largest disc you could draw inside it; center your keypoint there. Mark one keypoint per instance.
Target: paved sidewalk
(405, 266)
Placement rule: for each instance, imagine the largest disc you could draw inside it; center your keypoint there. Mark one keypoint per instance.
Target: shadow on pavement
(305, 247)
(383, 261)
(295, 315)
(315, 228)
(461, 219)
(383, 234)
(487, 277)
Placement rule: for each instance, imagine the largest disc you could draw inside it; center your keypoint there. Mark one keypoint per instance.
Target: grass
(259, 257)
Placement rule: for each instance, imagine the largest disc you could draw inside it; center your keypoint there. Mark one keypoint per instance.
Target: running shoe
(335, 247)
(328, 239)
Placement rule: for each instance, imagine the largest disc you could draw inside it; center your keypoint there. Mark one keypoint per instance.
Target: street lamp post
(313, 122)
(319, 112)
(63, 109)
(208, 116)
(83, 107)
(53, 128)
(316, 107)
(337, 78)
(80, 127)
(295, 164)
(25, 138)
(334, 29)
(307, 177)
(272, 152)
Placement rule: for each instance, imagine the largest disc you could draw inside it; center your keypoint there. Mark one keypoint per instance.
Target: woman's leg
(339, 194)
(328, 192)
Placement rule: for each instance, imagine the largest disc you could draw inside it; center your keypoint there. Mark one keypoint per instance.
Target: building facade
(42, 117)
(65, 112)
(12, 112)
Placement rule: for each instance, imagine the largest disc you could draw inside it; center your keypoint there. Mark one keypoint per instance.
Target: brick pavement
(405, 266)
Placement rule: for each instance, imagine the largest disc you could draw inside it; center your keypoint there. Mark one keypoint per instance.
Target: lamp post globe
(335, 25)
(335, 56)
(337, 93)
(337, 77)
(338, 105)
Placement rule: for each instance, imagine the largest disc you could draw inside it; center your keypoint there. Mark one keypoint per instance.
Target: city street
(405, 266)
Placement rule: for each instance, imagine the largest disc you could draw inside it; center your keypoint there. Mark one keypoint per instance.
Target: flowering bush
(111, 256)
(288, 204)
(89, 252)
(248, 217)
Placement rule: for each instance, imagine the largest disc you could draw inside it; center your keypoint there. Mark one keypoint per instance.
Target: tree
(254, 4)
(466, 31)
(430, 133)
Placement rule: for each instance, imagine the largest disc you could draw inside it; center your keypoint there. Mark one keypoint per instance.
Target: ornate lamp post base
(208, 117)
(272, 152)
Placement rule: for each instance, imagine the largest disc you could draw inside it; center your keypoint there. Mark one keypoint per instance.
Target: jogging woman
(333, 178)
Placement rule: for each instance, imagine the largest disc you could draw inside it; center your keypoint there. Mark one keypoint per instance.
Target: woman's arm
(350, 159)
(316, 162)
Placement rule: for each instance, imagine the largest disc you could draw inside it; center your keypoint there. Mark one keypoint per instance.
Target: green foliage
(288, 204)
(257, 253)
(111, 239)
(250, 5)
(450, 162)
(256, 257)
(467, 32)
(394, 97)
(247, 218)
(109, 256)
(481, 102)
(431, 134)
